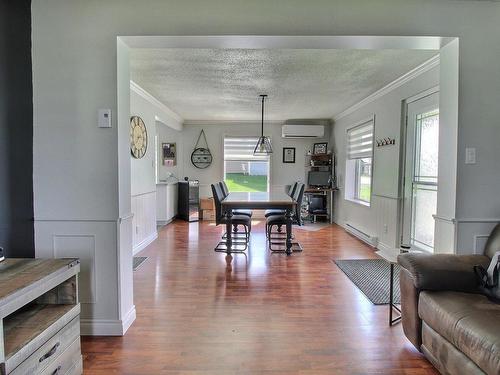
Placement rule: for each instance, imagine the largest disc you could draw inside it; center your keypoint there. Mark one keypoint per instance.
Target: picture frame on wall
(169, 154)
(288, 154)
(320, 148)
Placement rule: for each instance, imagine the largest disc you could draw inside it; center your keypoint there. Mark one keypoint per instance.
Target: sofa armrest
(443, 271)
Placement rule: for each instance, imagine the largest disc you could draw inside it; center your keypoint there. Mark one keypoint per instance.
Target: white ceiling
(224, 84)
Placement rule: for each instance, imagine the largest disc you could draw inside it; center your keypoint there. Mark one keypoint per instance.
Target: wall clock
(138, 137)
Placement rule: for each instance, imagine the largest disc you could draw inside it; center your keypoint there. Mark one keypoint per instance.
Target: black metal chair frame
(238, 239)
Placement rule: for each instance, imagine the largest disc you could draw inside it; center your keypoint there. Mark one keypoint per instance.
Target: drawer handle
(56, 371)
(50, 353)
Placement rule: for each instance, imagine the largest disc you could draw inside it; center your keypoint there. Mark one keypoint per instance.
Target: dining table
(274, 199)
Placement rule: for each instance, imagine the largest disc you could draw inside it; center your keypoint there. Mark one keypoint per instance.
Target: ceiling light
(263, 146)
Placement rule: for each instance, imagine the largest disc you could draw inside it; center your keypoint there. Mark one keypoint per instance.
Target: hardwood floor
(261, 314)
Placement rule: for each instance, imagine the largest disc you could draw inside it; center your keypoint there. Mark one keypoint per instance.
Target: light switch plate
(470, 155)
(104, 118)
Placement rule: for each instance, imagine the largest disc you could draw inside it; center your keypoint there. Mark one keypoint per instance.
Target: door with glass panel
(421, 173)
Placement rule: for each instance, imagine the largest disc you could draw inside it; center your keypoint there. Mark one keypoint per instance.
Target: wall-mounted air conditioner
(303, 131)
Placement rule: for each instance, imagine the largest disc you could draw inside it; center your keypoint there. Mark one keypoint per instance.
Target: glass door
(421, 173)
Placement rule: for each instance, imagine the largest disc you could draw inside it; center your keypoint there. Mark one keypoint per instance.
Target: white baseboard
(164, 222)
(128, 319)
(141, 246)
(386, 248)
(102, 327)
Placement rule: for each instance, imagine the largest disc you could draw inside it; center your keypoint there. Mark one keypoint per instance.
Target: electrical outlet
(386, 228)
(136, 229)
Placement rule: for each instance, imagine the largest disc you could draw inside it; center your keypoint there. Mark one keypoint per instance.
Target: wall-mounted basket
(201, 157)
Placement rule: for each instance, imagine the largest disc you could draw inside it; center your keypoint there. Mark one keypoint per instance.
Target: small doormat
(138, 261)
(372, 277)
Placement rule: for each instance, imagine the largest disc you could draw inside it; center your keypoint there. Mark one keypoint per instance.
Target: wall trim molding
(412, 74)
(386, 196)
(142, 245)
(104, 327)
(150, 98)
(140, 194)
(477, 220)
(383, 247)
(231, 122)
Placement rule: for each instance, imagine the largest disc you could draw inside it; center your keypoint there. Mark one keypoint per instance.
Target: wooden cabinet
(40, 317)
(166, 203)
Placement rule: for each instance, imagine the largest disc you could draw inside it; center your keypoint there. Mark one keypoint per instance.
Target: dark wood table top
(258, 200)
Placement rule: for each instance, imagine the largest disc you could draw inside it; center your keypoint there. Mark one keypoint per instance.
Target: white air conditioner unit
(303, 131)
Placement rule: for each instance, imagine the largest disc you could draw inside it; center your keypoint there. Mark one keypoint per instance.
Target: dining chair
(277, 211)
(279, 238)
(236, 220)
(225, 192)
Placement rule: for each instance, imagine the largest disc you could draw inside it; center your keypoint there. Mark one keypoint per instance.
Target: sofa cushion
(469, 321)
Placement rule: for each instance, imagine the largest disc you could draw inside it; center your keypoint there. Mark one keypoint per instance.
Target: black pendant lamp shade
(263, 146)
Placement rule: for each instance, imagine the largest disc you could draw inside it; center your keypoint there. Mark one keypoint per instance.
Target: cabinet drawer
(49, 351)
(66, 361)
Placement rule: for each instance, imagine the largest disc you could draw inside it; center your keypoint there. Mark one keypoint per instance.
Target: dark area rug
(138, 261)
(372, 276)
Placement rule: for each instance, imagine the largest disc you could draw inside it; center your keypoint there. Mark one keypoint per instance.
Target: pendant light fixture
(263, 146)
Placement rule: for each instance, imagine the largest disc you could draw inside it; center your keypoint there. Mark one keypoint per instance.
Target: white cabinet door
(171, 201)
(161, 203)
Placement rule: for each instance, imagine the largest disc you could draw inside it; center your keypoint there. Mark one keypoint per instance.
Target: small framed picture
(169, 154)
(320, 148)
(288, 154)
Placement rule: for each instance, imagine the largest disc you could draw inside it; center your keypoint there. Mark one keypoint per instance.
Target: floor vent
(370, 240)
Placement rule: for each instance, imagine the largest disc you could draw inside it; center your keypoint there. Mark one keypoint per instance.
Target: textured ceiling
(224, 84)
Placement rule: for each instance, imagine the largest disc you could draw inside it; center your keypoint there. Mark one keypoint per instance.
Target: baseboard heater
(370, 240)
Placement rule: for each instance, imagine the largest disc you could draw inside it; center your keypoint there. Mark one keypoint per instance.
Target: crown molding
(150, 98)
(230, 122)
(398, 82)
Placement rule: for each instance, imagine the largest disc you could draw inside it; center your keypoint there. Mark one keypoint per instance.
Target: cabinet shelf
(31, 322)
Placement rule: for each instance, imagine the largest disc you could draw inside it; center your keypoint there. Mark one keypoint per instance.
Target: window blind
(241, 148)
(360, 141)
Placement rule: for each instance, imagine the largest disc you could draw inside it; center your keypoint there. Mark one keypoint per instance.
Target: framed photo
(320, 148)
(169, 154)
(288, 154)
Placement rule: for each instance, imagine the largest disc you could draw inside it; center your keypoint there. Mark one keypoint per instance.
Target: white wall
(76, 168)
(281, 174)
(143, 174)
(383, 212)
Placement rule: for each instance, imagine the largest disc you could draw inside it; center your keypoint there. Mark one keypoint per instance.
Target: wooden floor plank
(261, 313)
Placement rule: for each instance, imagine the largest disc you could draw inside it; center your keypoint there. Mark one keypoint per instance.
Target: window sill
(357, 201)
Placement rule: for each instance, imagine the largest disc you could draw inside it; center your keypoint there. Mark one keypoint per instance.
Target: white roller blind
(360, 141)
(241, 148)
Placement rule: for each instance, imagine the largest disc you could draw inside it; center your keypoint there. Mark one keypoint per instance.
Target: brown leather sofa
(445, 316)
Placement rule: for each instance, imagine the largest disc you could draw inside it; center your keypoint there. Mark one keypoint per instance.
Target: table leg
(229, 229)
(392, 305)
(391, 293)
(288, 216)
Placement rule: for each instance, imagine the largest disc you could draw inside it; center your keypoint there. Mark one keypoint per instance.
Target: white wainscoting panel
(472, 234)
(95, 243)
(82, 247)
(144, 221)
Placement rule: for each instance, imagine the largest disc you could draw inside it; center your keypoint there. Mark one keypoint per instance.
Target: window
(244, 172)
(359, 164)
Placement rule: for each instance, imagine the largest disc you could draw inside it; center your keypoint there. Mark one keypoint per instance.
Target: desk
(259, 201)
(328, 192)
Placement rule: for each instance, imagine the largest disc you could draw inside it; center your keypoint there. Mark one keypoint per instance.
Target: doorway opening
(420, 184)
